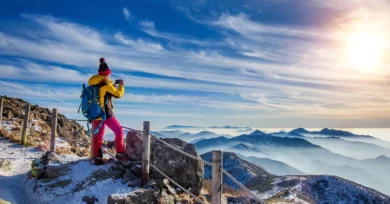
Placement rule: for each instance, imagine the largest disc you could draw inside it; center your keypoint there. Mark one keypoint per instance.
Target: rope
(182, 152)
(131, 129)
(178, 185)
(242, 186)
(80, 120)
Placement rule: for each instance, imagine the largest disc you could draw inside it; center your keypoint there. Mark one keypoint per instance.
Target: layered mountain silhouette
(294, 189)
(300, 154)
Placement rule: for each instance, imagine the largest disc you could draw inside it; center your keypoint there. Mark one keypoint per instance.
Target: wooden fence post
(146, 153)
(25, 123)
(53, 130)
(1, 109)
(216, 177)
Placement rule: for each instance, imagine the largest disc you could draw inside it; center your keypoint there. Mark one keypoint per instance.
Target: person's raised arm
(118, 93)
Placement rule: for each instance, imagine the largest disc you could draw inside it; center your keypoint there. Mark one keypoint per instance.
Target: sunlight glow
(365, 50)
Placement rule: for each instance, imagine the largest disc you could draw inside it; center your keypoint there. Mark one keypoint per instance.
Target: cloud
(126, 13)
(138, 43)
(39, 73)
(68, 33)
(150, 28)
(39, 92)
(147, 25)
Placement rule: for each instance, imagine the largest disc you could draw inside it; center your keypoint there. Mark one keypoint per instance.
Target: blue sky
(280, 63)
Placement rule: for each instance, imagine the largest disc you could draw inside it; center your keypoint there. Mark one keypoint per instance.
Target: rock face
(186, 171)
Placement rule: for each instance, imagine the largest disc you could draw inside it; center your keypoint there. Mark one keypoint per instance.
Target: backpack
(90, 106)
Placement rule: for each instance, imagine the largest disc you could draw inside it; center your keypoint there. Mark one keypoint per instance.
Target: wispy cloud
(28, 71)
(138, 43)
(126, 13)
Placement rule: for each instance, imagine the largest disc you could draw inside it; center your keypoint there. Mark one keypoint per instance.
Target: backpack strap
(103, 117)
(81, 102)
(89, 130)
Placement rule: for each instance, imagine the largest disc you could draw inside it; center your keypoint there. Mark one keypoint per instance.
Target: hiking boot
(99, 161)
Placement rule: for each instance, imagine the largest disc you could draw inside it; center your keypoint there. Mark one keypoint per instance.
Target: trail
(12, 182)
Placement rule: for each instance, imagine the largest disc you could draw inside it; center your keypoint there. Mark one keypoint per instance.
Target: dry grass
(227, 191)
(10, 135)
(39, 139)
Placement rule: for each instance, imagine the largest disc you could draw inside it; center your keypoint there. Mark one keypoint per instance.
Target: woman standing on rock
(107, 90)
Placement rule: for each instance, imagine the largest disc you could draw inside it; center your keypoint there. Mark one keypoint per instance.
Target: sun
(364, 50)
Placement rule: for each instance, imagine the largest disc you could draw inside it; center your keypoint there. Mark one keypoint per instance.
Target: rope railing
(242, 186)
(176, 184)
(131, 129)
(181, 151)
(63, 138)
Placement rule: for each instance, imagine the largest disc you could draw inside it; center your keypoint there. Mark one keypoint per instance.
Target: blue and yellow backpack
(90, 106)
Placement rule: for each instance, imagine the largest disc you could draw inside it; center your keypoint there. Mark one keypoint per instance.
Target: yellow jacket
(106, 88)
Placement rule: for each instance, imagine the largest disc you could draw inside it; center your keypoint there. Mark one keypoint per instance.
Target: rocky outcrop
(14, 109)
(186, 171)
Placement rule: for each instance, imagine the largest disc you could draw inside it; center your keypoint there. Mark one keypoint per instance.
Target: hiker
(107, 90)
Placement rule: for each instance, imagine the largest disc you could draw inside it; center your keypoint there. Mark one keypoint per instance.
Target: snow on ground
(80, 171)
(61, 143)
(12, 182)
(278, 188)
(15, 188)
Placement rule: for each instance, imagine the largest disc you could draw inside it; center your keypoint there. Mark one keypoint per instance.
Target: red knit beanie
(103, 68)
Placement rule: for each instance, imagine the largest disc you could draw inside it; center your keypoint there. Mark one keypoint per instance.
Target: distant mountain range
(212, 127)
(355, 149)
(328, 132)
(301, 132)
(294, 189)
(300, 154)
(276, 167)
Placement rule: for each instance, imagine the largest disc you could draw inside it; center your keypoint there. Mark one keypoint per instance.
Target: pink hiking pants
(114, 125)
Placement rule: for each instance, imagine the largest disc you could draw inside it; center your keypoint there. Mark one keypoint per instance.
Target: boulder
(134, 145)
(47, 167)
(184, 170)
